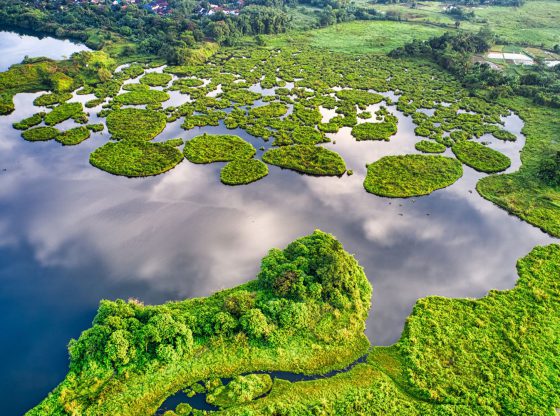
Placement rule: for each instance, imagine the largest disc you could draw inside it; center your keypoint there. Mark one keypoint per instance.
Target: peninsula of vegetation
(306, 312)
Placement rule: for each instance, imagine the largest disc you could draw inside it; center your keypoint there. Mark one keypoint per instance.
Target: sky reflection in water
(71, 234)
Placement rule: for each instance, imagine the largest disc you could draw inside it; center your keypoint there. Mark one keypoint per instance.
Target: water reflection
(71, 235)
(15, 47)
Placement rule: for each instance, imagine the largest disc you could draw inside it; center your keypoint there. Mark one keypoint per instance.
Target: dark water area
(198, 401)
(71, 235)
(15, 46)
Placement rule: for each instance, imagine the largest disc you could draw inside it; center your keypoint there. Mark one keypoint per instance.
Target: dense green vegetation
(480, 157)
(374, 131)
(154, 79)
(490, 356)
(40, 134)
(135, 124)
(411, 175)
(306, 312)
(73, 136)
(240, 390)
(139, 97)
(65, 111)
(209, 148)
(243, 171)
(428, 146)
(309, 159)
(532, 193)
(135, 158)
(28, 122)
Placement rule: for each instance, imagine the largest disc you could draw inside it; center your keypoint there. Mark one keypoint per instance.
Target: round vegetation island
(135, 158)
(209, 148)
(411, 175)
(313, 160)
(139, 97)
(73, 136)
(135, 124)
(243, 171)
(154, 79)
(374, 131)
(480, 157)
(40, 134)
(428, 146)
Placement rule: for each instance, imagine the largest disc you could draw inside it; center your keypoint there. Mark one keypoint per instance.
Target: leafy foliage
(243, 171)
(135, 124)
(411, 175)
(313, 160)
(73, 136)
(209, 148)
(480, 157)
(135, 158)
(37, 134)
(428, 146)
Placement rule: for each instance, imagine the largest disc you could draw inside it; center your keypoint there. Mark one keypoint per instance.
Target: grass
(64, 112)
(240, 390)
(28, 122)
(209, 148)
(411, 175)
(374, 131)
(359, 37)
(73, 136)
(243, 171)
(135, 124)
(488, 356)
(154, 79)
(139, 97)
(135, 158)
(39, 134)
(480, 157)
(428, 146)
(524, 193)
(312, 160)
(135, 356)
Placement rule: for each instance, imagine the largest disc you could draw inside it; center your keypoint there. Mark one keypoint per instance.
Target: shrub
(135, 124)
(411, 175)
(63, 112)
(40, 134)
(374, 131)
(242, 171)
(480, 157)
(313, 160)
(135, 158)
(428, 146)
(209, 148)
(73, 136)
(154, 79)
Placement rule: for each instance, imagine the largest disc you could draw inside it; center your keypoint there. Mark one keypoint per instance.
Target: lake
(71, 235)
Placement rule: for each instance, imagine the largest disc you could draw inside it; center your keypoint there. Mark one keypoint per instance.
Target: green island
(306, 313)
(428, 146)
(480, 157)
(135, 124)
(243, 171)
(411, 175)
(135, 158)
(39, 134)
(209, 148)
(313, 160)
(74, 136)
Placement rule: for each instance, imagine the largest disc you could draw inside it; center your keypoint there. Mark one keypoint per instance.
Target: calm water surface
(71, 235)
(14, 47)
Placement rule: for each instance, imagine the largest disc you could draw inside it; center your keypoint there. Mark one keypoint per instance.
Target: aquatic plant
(135, 124)
(209, 148)
(134, 158)
(374, 131)
(154, 79)
(428, 146)
(64, 112)
(139, 97)
(243, 171)
(73, 136)
(411, 175)
(28, 122)
(37, 134)
(480, 157)
(309, 159)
